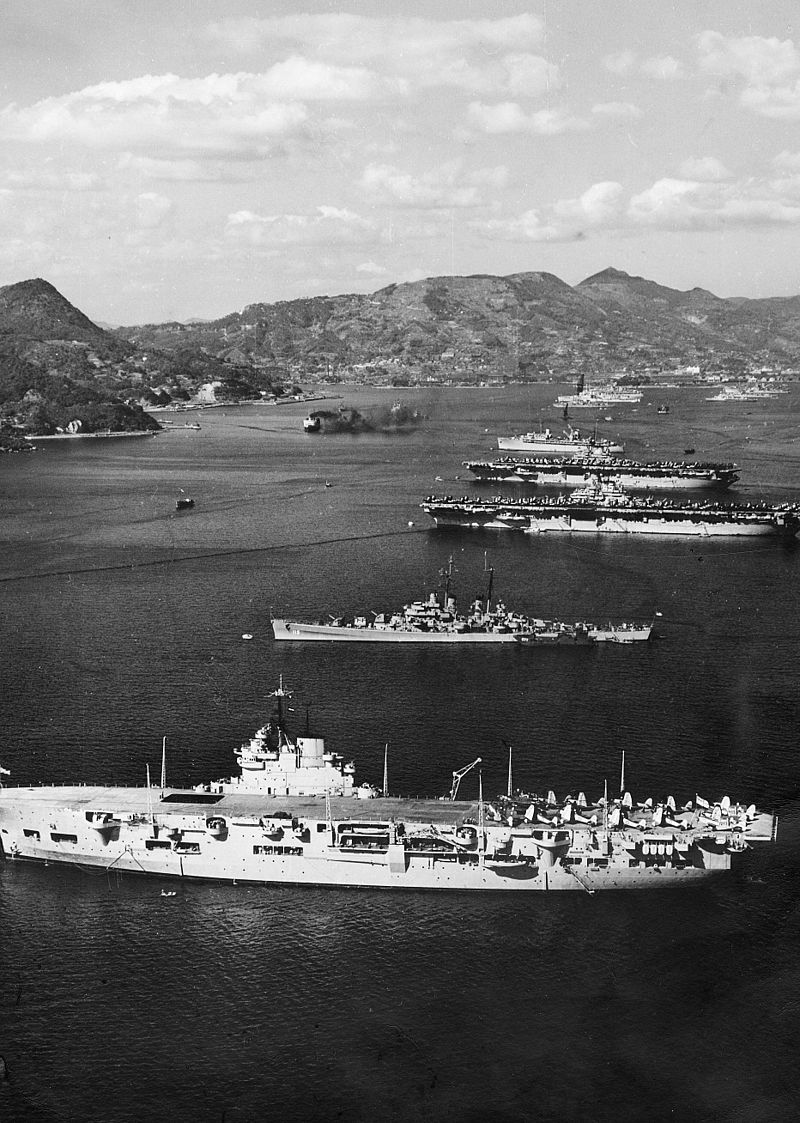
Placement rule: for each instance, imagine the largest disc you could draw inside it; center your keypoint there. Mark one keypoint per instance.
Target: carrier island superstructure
(294, 815)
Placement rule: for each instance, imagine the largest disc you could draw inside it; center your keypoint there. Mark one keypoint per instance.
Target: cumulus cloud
(663, 67)
(479, 55)
(671, 203)
(704, 168)
(219, 115)
(510, 117)
(681, 204)
(325, 225)
(446, 186)
(766, 69)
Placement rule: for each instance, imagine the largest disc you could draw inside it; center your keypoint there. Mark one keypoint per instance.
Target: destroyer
(571, 443)
(437, 620)
(657, 475)
(294, 815)
(605, 508)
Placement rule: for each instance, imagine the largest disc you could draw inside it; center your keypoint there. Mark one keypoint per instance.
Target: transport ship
(605, 508)
(294, 815)
(436, 619)
(572, 442)
(656, 475)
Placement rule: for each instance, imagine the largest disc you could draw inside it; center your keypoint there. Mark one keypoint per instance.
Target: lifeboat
(251, 763)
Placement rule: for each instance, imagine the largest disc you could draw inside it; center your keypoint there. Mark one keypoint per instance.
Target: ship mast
(622, 775)
(163, 765)
(386, 769)
(481, 822)
(490, 571)
(509, 791)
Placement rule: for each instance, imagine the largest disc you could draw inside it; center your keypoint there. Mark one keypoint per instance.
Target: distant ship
(749, 392)
(312, 424)
(294, 815)
(604, 508)
(657, 475)
(183, 503)
(570, 443)
(598, 396)
(437, 620)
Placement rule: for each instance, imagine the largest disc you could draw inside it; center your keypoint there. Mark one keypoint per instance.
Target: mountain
(522, 326)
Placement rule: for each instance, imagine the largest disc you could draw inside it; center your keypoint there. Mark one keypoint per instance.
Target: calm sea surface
(122, 622)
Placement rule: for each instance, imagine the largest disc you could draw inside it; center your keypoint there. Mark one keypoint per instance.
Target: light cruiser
(658, 475)
(605, 508)
(437, 620)
(295, 816)
(571, 443)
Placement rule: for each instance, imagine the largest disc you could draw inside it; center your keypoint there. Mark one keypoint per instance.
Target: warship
(605, 508)
(294, 815)
(572, 442)
(655, 475)
(436, 619)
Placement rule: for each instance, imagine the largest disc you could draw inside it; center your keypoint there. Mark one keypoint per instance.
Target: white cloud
(671, 204)
(152, 209)
(446, 186)
(621, 62)
(220, 115)
(663, 67)
(759, 61)
(787, 161)
(371, 269)
(768, 70)
(46, 179)
(704, 168)
(326, 225)
(510, 117)
(489, 56)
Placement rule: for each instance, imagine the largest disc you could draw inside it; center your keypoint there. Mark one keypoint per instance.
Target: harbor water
(123, 622)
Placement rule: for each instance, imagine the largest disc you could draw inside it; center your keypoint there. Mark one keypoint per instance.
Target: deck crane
(458, 776)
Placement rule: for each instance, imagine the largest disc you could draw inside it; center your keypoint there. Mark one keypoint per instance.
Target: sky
(184, 158)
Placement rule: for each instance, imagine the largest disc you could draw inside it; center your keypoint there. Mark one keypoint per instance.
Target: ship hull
(606, 524)
(292, 630)
(232, 831)
(587, 634)
(630, 481)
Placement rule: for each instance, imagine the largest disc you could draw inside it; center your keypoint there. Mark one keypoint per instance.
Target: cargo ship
(604, 508)
(655, 475)
(436, 619)
(572, 442)
(294, 815)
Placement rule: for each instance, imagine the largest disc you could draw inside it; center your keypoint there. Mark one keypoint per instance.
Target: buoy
(410, 523)
(246, 635)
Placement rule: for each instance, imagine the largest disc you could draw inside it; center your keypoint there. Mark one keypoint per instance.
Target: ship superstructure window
(157, 844)
(59, 836)
(187, 847)
(31, 834)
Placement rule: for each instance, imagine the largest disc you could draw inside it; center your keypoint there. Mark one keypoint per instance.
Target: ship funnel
(311, 751)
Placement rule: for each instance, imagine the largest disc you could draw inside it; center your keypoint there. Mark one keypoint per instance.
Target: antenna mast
(386, 769)
(622, 775)
(510, 788)
(163, 765)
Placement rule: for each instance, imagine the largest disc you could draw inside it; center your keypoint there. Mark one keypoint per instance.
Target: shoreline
(90, 436)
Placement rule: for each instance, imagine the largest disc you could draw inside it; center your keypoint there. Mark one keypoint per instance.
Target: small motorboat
(184, 503)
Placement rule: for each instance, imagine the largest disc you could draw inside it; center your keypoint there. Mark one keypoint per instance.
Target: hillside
(59, 369)
(524, 326)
